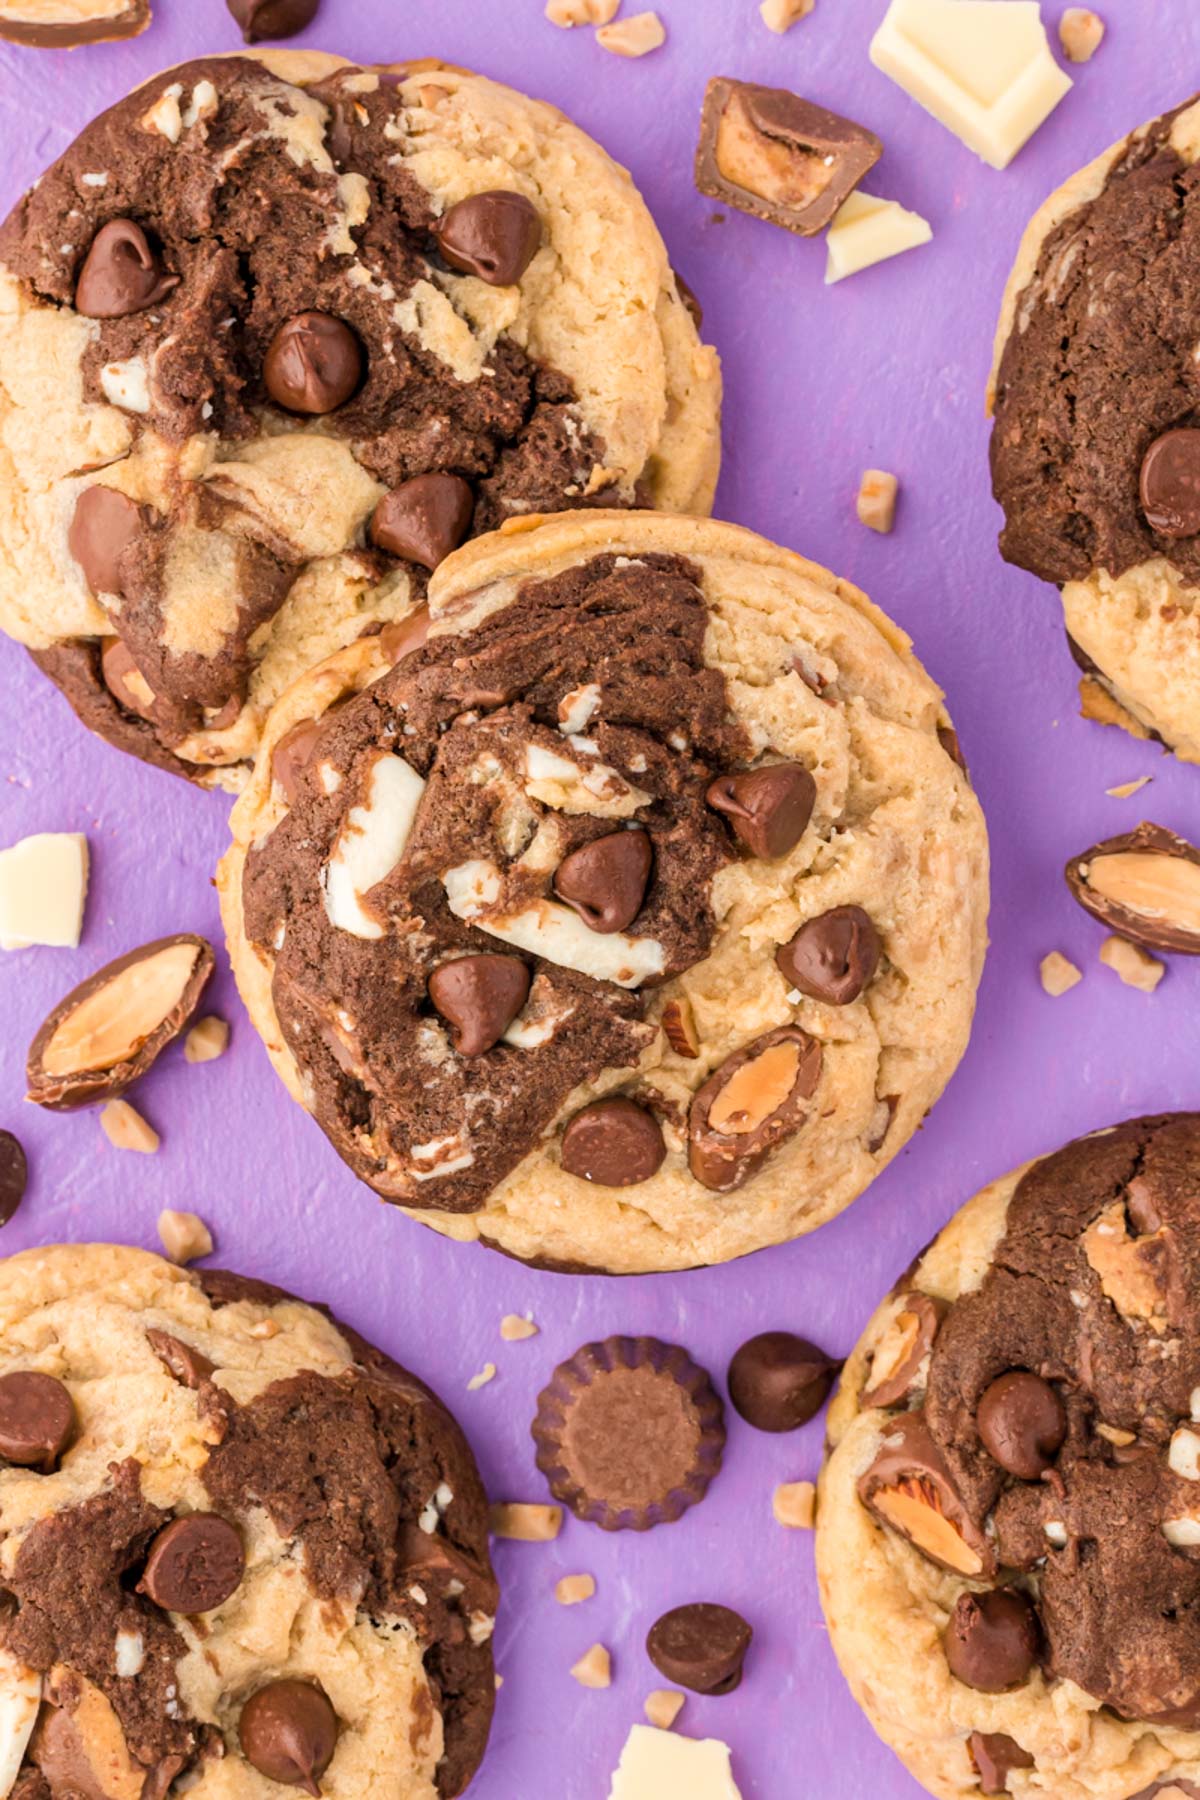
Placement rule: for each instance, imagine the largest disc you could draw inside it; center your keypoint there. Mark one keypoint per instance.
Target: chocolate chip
(768, 808)
(494, 235)
(1170, 484)
(910, 1488)
(14, 1174)
(314, 364)
(293, 753)
(993, 1639)
(121, 273)
(289, 1731)
(701, 1647)
(479, 996)
(424, 519)
(833, 957)
(778, 1382)
(995, 1756)
(272, 18)
(186, 1364)
(1022, 1423)
(103, 526)
(37, 1418)
(403, 636)
(750, 1105)
(195, 1564)
(605, 881)
(124, 680)
(614, 1143)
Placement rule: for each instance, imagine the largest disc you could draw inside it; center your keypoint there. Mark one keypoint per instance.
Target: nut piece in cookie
(72, 23)
(110, 1029)
(630, 1433)
(779, 157)
(701, 1647)
(754, 1102)
(910, 1488)
(1144, 885)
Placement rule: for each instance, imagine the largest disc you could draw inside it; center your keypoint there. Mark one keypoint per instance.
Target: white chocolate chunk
(635, 36)
(867, 230)
(1183, 1533)
(371, 843)
(20, 1695)
(440, 1156)
(43, 885)
(983, 68)
(576, 709)
(1184, 1455)
(203, 104)
(164, 116)
(1056, 1533)
(657, 1764)
(573, 787)
(130, 1657)
(127, 385)
(550, 930)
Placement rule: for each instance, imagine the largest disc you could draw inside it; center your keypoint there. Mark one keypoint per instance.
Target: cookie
(241, 1547)
(277, 333)
(1009, 1511)
(512, 934)
(1095, 451)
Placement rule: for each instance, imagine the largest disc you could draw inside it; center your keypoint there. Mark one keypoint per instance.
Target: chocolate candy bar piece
(779, 157)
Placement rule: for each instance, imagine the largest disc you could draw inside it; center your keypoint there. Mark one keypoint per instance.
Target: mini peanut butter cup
(630, 1433)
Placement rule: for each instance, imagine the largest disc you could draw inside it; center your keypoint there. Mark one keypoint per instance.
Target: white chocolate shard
(867, 230)
(657, 1764)
(127, 385)
(983, 68)
(551, 930)
(1183, 1457)
(43, 886)
(20, 1696)
(371, 843)
(573, 787)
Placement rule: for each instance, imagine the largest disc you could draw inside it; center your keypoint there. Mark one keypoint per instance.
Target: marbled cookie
(1096, 447)
(242, 1552)
(1009, 1516)
(278, 332)
(633, 919)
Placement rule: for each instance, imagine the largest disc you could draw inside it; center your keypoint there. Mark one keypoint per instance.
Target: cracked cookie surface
(276, 332)
(629, 919)
(1009, 1514)
(240, 1502)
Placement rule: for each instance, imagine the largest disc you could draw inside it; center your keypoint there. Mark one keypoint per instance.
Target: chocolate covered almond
(910, 1488)
(900, 1356)
(1145, 886)
(754, 1102)
(72, 22)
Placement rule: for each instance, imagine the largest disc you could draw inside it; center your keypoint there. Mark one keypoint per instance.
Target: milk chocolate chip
(479, 996)
(261, 19)
(1145, 886)
(779, 157)
(900, 1353)
(1170, 484)
(189, 1366)
(778, 1382)
(314, 364)
(289, 1731)
(1022, 1423)
(768, 808)
(833, 957)
(995, 1756)
(750, 1105)
(701, 1647)
(14, 1175)
(293, 753)
(910, 1488)
(424, 519)
(103, 526)
(405, 635)
(121, 273)
(494, 235)
(614, 1143)
(993, 1640)
(605, 881)
(37, 1419)
(195, 1564)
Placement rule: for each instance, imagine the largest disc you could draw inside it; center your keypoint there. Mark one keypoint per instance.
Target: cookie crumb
(528, 1523)
(876, 503)
(581, 12)
(663, 1707)
(1080, 32)
(125, 1128)
(794, 1504)
(633, 37)
(1058, 974)
(515, 1327)
(574, 1588)
(594, 1668)
(208, 1039)
(486, 1374)
(779, 16)
(184, 1236)
(1128, 788)
(1134, 967)
(1098, 705)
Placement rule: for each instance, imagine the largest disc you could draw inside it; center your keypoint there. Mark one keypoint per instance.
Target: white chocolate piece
(867, 230)
(571, 787)
(983, 68)
(551, 930)
(636, 36)
(371, 843)
(127, 385)
(657, 1764)
(1058, 974)
(43, 885)
(20, 1695)
(1183, 1457)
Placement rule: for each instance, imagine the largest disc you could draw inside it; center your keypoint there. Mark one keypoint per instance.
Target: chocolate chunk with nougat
(630, 1433)
(1145, 886)
(111, 1028)
(72, 23)
(754, 1102)
(779, 157)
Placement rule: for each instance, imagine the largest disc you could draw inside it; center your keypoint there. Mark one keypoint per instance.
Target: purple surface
(885, 370)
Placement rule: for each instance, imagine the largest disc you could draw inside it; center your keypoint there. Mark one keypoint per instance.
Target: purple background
(887, 369)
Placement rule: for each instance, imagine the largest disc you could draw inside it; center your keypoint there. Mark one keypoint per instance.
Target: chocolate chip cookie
(1009, 1515)
(1096, 447)
(276, 334)
(632, 917)
(242, 1549)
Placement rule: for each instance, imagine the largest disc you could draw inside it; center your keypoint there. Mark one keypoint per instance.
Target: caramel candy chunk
(111, 1028)
(832, 957)
(753, 1103)
(779, 157)
(909, 1487)
(900, 1354)
(37, 1420)
(288, 1731)
(778, 1381)
(1145, 886)
(768, 808)
(494, 236)
(993, 1640)
(614, 1143)
(701, 1647)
